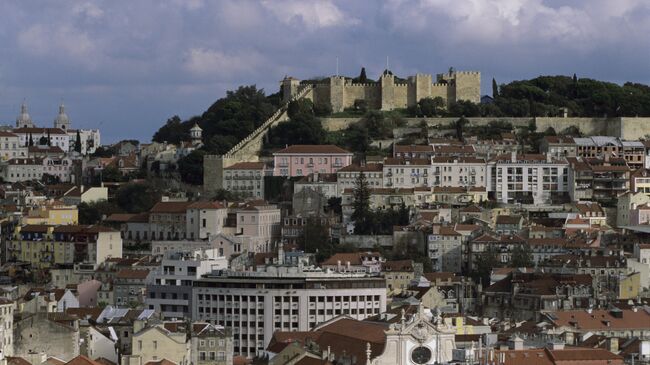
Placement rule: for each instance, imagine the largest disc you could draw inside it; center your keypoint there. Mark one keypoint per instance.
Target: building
(302, 160)
(211, 344)
(165, 341)
(325, 184)
(458, 171)
(633, 322)
(524, 296)
(129, 287)
(10, 146)
(57, 336)
(412, 151)
(355, 262)
(24, 169)
(55, 137)
(527, 179)
(282, 298)
(257, 218)
(406, 173)
(44, 246)
(7, 309)
(246, 179)
(445, 249)
(388, 93)
(558, 146)
(169, 287)
(347, 177)
(205, 219)
(168, 220)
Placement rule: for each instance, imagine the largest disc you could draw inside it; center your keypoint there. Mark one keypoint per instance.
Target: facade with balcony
(302, 160)
(458, 171)
(406, 173)
(246, 179)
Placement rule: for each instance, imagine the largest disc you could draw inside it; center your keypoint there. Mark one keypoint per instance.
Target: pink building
(302, 160)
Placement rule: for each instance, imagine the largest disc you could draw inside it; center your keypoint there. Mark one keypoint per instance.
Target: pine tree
(362, 77)
(77, 143)
(361, 205)
(495, 88)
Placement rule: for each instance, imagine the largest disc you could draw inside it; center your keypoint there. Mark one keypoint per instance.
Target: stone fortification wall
(626, 128)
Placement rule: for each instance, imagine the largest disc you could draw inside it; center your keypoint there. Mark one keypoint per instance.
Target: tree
(361, 205)
(495, 89)
(42, 141)
(31, 140)
(362, 76)
(460, 125)
(137, 197)
(522, 256)
(482, 268)
(431, 107)
(316, 239)
(112, 174)
(49, 139)
(334, 205)
(190, 167)
(77, 142)
(93, 213)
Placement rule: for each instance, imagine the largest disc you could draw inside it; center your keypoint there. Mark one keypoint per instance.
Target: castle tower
(24, 120)
(290, 87)
(337, 93)
(196, 134)
(387, 81)
(62, 121)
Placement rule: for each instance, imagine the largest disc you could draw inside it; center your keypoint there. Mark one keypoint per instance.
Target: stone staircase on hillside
(248, 149)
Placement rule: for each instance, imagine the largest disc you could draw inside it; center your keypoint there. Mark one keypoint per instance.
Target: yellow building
(628, 286)
(52, 215)
(46, 245)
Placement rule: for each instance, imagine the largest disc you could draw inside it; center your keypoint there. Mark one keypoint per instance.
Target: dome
(62, 117)
(23, 117)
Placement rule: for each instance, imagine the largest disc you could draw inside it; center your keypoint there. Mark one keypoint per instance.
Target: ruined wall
(38, 334)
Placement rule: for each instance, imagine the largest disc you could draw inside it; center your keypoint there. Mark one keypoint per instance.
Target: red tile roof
(313, 149)
(170, 207)
(246, 166)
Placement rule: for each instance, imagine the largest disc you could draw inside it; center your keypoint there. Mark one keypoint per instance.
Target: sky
(127, 66)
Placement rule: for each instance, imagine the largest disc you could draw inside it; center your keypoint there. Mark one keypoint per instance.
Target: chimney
(612, 344)
(513, 156)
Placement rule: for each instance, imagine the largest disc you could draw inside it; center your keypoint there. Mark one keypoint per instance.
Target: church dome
(61, 121)
(23, 117)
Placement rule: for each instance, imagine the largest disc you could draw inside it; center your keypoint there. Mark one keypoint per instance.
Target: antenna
(337, 66)
(387, 67)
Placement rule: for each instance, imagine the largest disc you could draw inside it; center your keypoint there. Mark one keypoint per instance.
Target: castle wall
(337, 93)
(438, 90)
(401, 96)
(468, 86)
(371, 93)
(320, 94)
(634, 128)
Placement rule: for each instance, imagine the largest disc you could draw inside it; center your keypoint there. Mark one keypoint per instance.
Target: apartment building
(599, 179)
(44, 246)
(210, 344)
(169, 287)
(7, 309)
(246, 179)
(558, 146)
(347, 177)
(445, 249)
(282, 298)
(258, 218)
(129, 287)
(204, 219)
(301, 160)
(406, 173)
(528, 178)
(633, 152)
(412, 151)
(168, 220)
(458, 171)
(10, 146)
(325, 184)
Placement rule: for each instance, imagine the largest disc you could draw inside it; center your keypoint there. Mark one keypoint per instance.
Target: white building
(282, 298)
(10, 146)
(246, 179)
(169, 290)
(24, 169)
(57, 136)
(347, 177)
(205, 219)
(458, 171)
(402, 173)
(7, 308)
(259, 219)
(528, 178)
(90, 139)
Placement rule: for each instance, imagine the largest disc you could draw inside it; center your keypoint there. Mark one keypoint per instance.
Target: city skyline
(116, 65)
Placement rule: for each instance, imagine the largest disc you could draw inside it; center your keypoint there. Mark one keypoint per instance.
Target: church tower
(24, 120)
(62, 121)
(196, 133)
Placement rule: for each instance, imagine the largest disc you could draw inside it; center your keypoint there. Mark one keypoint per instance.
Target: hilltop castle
(387, 94)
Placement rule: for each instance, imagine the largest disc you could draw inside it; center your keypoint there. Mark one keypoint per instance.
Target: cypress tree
(31, 140)
(575, 86)
(77, 143)
(362, 76)
(49, 139)
(495, 88)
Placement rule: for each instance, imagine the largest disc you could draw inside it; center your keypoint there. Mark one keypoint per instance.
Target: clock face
(421, 355)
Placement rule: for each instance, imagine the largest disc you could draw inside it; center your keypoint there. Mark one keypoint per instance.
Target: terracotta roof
(17, 361)
(35, 228)
(390, 161)
(508, 219)
(53, 361)
(412, 148)
(398, 265)
(104, 361)
(40, 130)
(160, 362)
(365, 168)
(460, 159)
(354, 258)
(119, 217)
(538, 283)
(206, 205)
(82, 360)
(313, 149)
(440, 276)
(246, 166)
(603, 319)
(7, 134)
(449, 189)
(170, 207)
(132, 274)
(559, 139)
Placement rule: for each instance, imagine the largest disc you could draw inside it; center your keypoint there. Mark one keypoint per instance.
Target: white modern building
(406, 173)
(527, 178)
(282, 298)
(458, 171)
(169, 290)
(10, 146)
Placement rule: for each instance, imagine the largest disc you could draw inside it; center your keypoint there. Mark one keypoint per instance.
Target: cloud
(61, 43)
(215, 63)
(309, 14)
(88, 10)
